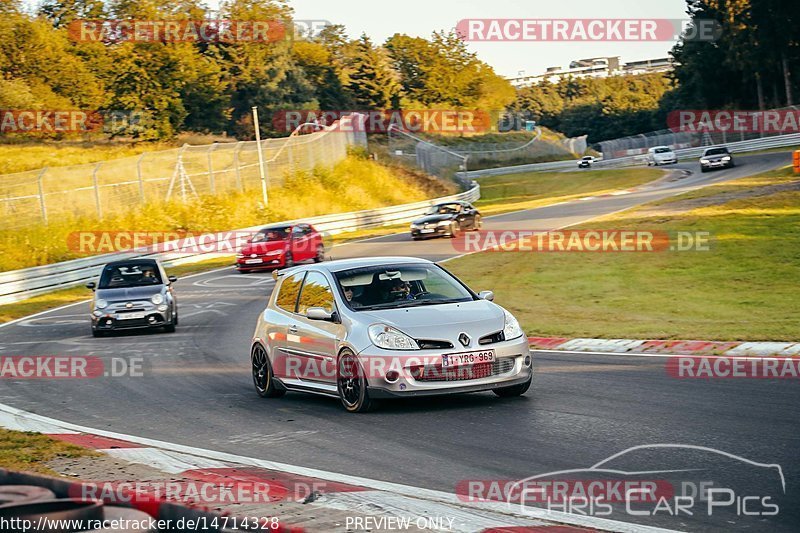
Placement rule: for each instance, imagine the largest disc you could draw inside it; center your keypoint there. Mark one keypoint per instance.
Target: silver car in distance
(385, 327)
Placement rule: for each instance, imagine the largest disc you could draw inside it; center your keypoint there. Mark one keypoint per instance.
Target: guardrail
(739, 146)
(17, 285)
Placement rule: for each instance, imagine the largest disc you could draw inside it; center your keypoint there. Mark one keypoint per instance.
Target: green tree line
(211, 86)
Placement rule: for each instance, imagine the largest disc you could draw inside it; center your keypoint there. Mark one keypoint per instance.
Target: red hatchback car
(280, 247)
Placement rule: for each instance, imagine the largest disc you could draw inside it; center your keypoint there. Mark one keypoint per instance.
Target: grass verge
(30, 452)
(744, 288)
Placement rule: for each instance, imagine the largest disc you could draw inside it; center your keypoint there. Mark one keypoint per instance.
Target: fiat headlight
(157, 299)
(726, 158)
(100, 304)
(387, 337)
(444, 223)
(704, 161)
(511, 329)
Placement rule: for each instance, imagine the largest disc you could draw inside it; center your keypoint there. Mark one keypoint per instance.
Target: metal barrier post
(97, 191)
(41, 194)
(211, 184)
(139, 176)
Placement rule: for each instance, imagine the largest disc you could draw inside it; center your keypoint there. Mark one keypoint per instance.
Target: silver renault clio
(385, 327)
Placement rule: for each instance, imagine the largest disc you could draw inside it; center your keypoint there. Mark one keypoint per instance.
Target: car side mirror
(172, 279)
(486, 295)
(91, 285)
(318, 313)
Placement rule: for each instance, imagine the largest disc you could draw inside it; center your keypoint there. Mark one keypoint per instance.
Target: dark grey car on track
(133, 294)
(446, 219)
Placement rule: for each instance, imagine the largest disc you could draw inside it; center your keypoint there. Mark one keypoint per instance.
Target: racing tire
(478, 224)
(455, 230)
(351, 383)
(262, 373)
(288, 260)
(514, 390)
(97, 334)
(320, 255)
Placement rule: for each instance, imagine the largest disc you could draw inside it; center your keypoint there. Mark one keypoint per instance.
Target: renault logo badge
(464, 339)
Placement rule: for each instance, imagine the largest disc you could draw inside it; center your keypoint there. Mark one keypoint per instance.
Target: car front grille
(428, 344)
(433, 373)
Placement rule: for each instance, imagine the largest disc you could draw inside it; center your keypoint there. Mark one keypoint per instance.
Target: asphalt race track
(197, 390)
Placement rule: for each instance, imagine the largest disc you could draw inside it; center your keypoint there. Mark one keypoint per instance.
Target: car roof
(347, 264)
(715, 148)
(126, 262)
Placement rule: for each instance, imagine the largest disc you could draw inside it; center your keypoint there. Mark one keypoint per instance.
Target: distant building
(595, 67)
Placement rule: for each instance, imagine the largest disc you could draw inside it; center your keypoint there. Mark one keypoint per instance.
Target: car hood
(262, 247)
(715, 157)
(433, 218)
(130, 293)
(441, 322)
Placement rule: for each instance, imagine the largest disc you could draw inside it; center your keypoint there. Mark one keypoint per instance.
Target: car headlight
(511, 329)
(704, 161)
(157, 299)
(239, 256)
(414, 226)
(726, 158)
(100, 304)
(384, 336)
(274, 252)
(444, 222)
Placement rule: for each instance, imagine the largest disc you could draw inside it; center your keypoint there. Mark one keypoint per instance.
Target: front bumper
(717, 164)
(262, 261)
(513, 365)
(423, 233)
(147, 316)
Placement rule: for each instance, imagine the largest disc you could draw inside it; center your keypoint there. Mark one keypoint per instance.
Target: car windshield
(271, 234)
(716, 151)
(129, 275)
(397, 286)
(663, 150)
(444, 209)
(588, 158)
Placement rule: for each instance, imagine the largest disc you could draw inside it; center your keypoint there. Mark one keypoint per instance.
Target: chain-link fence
(447, 161)
(702, 134)
(107, 187)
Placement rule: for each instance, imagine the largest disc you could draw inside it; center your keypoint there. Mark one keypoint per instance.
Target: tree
(372, 83)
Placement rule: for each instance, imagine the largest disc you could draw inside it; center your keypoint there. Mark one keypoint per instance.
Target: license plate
(253, 261)
(468, 358)
(426, 230)
(130, 316)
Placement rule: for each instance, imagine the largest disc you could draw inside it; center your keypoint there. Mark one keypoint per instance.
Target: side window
(290, 288)
(297, 231)
(316, 293)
